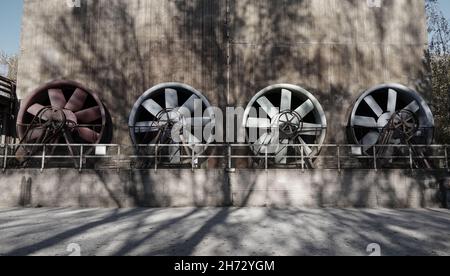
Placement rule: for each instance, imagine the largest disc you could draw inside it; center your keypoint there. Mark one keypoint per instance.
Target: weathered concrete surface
(215, 188)
(229, 50)
(247, 232)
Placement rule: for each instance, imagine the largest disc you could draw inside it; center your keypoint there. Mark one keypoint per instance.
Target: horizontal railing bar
(300, 159)
(223, 145)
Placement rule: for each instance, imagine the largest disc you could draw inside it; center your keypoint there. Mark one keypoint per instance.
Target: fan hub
(59, 117)
(289, 123)
(404, 123)
(169, 118)
(384, 119)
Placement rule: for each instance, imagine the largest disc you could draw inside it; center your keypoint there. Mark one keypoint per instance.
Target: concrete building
(227, 49)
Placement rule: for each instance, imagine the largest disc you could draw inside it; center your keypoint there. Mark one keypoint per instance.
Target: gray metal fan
(291, 116)
(165, 114)
(390, 114)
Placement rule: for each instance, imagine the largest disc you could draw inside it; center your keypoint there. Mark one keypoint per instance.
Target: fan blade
(286, 100)
(35, 109)
(374, 105)
(370, 139)
(89, 115)
(145, 127)
(281, 156)
(268, 107)
(175, 154)
(392, 101)
(306, 108)
(264, 142)
(258, 123)
(306, 148)
(311, 129)
(77, 101)
(171, 98)
(153, 107)
(365, 122)
(88, 135)
(189, 104)
(57, 98)
(413, 107)
(265, 139)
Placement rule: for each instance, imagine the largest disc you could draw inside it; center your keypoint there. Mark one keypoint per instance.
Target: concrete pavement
(223, 231)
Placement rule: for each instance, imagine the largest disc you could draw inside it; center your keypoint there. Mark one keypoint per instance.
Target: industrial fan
(285, 120)
(390, 114)
(172, 121)
(60, 113)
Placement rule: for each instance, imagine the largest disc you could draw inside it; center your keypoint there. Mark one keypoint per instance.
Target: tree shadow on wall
(121, 48)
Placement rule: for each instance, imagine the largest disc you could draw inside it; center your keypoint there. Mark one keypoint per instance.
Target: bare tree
(439, 32)
(11, 62)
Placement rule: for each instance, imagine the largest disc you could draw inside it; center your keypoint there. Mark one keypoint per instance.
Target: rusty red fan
(62, 112)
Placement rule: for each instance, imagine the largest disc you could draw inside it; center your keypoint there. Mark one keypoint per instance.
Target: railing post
(81, 158)
(339, 158)
(375, 158)
(5, 158)
(411, 161)
(266, 159)
(230, 162)
(302, 149)
(156, 157)
(119, 153)
(446, 159)
(193, 159)
(43, 158)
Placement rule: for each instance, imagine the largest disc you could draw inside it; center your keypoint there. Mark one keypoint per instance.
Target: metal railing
(112, 156)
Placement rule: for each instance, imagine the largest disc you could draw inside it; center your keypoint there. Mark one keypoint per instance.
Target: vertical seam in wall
(228, 43)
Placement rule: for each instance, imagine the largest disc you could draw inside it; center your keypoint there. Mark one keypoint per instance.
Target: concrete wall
(228, 49)
(181, 188)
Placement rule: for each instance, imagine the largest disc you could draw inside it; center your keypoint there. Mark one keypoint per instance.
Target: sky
(10, 19)
(11, 12)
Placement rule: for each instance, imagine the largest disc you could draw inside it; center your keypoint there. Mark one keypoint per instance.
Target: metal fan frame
(426, 119)
(160, 88)
(37, 94)
(318, 110)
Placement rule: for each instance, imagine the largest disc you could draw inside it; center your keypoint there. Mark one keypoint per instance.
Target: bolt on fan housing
(390, 114)
(62, 112)
(173, 115)
(282, 115)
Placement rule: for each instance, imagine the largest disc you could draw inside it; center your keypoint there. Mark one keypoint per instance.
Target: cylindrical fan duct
(287, 121)
(62, 112)
(390, 114)
(174, 115)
